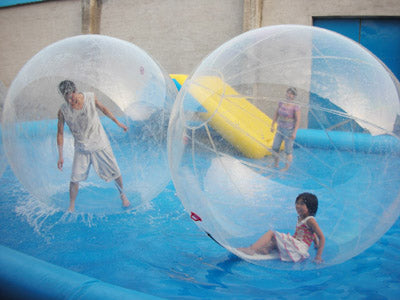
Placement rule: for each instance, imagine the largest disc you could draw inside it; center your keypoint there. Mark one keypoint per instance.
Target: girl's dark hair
(67, 86)
(311, 201)
(292, 90)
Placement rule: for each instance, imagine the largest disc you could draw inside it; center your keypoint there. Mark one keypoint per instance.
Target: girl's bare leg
(276, 160)
(289, 160)
(120, 186)
(263, 245)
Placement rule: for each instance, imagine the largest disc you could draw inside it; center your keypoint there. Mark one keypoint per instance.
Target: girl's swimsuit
(286, 124)
(295, 248)
(287, 115)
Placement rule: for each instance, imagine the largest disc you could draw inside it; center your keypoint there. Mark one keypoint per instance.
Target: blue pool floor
(160, 251)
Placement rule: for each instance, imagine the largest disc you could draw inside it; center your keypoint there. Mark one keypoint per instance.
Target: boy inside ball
(92, 146)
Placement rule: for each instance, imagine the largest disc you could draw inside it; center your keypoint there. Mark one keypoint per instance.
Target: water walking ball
(346, 151)
(124, 79)
(3, 159)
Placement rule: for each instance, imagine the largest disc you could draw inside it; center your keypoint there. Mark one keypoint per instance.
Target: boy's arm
(317, 230)
(60, 139)
(109, 114)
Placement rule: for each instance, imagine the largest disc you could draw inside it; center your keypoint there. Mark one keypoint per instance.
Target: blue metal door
(379, 35)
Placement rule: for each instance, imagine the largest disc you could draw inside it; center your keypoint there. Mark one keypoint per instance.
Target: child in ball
(288, 117)
(91, 143)
(294, 248)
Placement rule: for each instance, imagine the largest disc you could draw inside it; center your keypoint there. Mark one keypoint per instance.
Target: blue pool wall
(347, 141)
(25, 277)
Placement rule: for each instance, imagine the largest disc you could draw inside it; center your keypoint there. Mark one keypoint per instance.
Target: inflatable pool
(158, 251)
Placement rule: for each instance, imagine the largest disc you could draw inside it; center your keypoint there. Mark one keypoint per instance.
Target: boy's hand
(60, 164)
(123, 126)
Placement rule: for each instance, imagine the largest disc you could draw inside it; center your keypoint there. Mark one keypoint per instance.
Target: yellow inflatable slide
(240, 122)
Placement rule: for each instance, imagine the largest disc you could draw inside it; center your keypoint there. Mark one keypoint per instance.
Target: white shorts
(290, 249)
(103, 161)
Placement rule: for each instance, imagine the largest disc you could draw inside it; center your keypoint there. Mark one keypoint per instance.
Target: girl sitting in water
(294, 248)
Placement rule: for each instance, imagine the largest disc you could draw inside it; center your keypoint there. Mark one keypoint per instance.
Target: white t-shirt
(85, 125)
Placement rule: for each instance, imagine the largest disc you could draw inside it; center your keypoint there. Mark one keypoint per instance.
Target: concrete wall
(176, 33)
(26, 29)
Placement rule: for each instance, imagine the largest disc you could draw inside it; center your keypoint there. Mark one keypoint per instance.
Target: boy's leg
(120, 187)
(106, 167)
(80, 171)
(73, 192)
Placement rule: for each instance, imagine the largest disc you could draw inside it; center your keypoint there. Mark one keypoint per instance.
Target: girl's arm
(109, 114)
(274, 120)
(60, 139)
(312, 223)
(316, 240)
(297, 116)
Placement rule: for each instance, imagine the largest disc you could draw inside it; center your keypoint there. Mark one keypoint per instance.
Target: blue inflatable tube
(25, 277)
(347, 141)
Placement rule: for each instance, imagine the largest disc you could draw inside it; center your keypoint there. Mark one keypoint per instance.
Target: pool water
(160, 251)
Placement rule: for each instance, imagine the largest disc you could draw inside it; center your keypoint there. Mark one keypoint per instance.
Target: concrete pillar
(252, 19)
(252, 14)
(91, 14)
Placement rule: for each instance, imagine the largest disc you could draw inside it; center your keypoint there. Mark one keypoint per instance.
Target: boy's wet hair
(311, 201)
(292, 90)
(66, 87)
